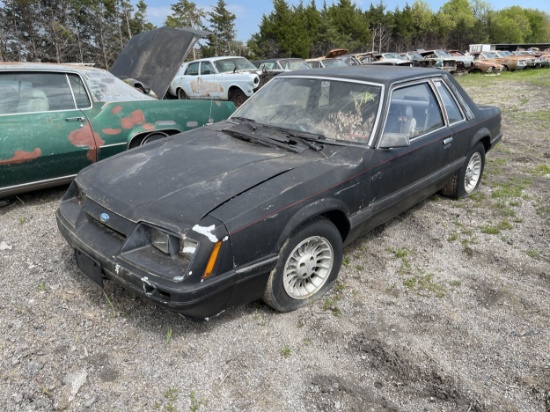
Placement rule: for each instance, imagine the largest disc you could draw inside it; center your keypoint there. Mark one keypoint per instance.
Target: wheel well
(232, 90)
(486, 142)
(136, 140)
(340, 220)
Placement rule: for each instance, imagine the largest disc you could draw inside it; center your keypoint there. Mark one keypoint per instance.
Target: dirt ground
(445, 308)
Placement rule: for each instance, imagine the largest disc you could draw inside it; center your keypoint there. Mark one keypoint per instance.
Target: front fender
(326, 207)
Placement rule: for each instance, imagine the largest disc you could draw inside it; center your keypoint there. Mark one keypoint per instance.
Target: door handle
(75, 119)
(447, 141)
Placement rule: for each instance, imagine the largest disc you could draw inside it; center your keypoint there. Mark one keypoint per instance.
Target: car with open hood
(230, 78)
(261, 205)
(56, 119)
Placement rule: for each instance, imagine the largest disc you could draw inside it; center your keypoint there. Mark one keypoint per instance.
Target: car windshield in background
(234, 64)
(294, 64)
(337, 110)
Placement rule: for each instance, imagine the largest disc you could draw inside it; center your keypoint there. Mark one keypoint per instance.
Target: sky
(249, 12)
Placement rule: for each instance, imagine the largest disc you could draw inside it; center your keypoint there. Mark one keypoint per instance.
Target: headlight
(188, 247)
(172, 245)
(160, 240)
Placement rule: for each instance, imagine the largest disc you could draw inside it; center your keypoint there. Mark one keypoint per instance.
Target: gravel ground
(445, 308)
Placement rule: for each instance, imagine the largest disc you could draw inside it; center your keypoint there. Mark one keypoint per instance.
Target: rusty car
(231, 78)
(385, 59)
(56, 119)
(331, 59)
(509, 63)
(261, 205)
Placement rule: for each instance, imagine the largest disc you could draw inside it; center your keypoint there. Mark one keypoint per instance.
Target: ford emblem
(104, 217)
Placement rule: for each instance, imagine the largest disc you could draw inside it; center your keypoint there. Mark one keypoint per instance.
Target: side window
(59, 92)
(451, 107)
(79, 91)
(413, 111)
(34, 92)
(207, 68)
(192, 69)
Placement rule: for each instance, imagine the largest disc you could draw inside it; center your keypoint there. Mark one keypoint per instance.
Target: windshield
(234, 63)
(490, 55)
(334, 63)
(392, 56)
(333, 109)
(442, 53)
(294, 64)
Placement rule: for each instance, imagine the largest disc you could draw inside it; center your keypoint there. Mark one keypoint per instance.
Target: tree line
(95, 31)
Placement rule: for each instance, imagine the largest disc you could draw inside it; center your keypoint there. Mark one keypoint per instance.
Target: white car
(224, 78)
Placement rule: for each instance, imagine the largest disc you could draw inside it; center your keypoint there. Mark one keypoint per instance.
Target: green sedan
(57, 119)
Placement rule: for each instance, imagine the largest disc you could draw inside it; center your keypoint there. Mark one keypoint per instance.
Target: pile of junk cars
(198, 206)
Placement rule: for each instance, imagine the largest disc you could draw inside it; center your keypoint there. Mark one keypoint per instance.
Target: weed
(452, 237)
(22, 220)
(533, 253)
(331, 303)
(495, 230)
(360, 268)
(455, 283)
(168, 334)
(541, 170)
(42, 287)
(346, 261)
(285, 351)
(114, 311)
(424, 283)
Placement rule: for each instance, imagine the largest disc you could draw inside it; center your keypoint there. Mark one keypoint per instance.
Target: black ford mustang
(260, 205)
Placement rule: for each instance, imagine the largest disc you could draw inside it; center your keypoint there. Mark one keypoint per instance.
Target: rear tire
(148, 138)
(467, 179)
(308, 266)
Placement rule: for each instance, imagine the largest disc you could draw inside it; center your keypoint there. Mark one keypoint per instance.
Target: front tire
(237, 97)
(467, 179)
(181, 95)
(307, 268)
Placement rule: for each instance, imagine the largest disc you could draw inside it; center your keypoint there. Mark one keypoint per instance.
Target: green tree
(139, 23)
(186, 14)
(460, 12)
(221, 23)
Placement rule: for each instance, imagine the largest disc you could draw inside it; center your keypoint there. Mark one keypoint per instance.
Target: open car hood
(154, 57)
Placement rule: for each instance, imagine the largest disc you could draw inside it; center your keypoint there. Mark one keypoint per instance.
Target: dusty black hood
(154, 57)
(177, 181)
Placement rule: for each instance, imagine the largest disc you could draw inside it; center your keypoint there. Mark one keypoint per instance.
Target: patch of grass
(535, 254)
(195, 402)
(512, 188)
(424, 284)
(541, 170)
(495, 230)
(452, 237)
(285, 351)
(331, 303)
(42, 287)
(360, 268)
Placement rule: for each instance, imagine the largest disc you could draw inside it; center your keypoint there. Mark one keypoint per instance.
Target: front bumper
(99, 256)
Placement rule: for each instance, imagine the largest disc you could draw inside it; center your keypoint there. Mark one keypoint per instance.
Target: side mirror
(390, 140)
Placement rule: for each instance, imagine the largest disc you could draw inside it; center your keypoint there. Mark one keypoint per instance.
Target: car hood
(155, 56)
(177, 181)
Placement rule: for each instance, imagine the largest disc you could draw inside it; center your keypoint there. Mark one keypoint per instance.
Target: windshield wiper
(308, 138)
(270, 141)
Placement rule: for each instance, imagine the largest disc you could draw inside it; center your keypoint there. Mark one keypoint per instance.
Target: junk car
(261, 205)
(225, 78)
(56, 119)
